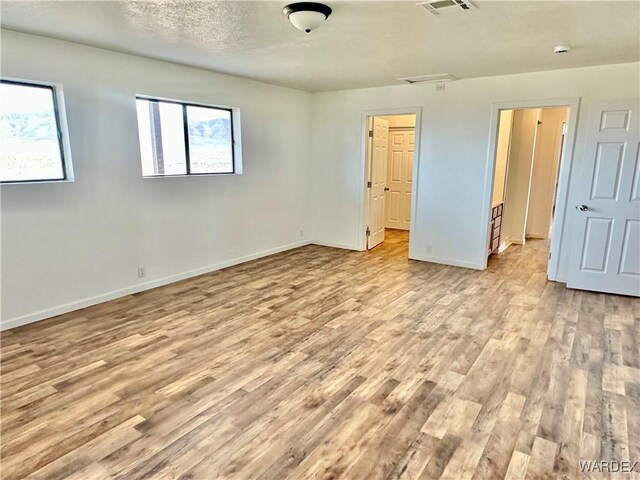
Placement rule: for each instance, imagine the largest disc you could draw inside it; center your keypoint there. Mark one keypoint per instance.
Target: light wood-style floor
(323, 363)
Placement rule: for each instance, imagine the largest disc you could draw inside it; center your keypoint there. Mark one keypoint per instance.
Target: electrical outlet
(301, 233)
(428, 248)
(141, 272)
(440, 87)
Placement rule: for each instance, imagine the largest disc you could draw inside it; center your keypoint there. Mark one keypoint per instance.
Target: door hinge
(368, 184)
(370, 133)
(549, 255)
(368, 232)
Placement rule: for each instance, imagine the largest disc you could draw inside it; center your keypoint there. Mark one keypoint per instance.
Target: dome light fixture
(307, 16)
(561, 49)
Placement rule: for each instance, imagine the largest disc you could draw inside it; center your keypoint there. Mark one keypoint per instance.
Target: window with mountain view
(178, 138)
(30, 137)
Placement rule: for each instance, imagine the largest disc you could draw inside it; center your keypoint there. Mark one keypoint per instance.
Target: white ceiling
(362, 44)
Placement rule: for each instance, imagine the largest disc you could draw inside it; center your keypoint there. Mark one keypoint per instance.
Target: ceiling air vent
(437, 78)
(438, 7)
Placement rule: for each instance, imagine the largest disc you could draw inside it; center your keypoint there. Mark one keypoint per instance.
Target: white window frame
(63, 132)
(236, 139)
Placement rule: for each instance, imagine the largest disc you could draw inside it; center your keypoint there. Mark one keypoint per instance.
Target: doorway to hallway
(528, 153)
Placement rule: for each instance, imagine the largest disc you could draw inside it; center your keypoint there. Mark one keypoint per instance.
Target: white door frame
(566, 164)
(364, 169)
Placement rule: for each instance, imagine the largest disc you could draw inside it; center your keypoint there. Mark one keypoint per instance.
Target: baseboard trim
(343, 246)
(123, 292)
(503, 246)
(448, 261)
(536, 236)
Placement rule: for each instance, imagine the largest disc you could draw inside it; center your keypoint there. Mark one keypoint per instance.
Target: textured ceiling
(362, 44)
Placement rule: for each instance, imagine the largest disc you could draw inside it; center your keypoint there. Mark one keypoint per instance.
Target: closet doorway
(389, 172)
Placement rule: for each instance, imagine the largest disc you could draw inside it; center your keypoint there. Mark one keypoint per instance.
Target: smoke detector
(438, 7)
(436, 78)
(560, 49)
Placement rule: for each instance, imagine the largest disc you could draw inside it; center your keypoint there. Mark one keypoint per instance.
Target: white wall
(545, 171)
(453, 159)
(400, 121)
(502, 157)
(516, 198)
(67, 245)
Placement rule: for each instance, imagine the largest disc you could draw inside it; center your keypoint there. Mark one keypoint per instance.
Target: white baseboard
(443, 261)
(448, 261)
(504, 245)
(537, 236)
(507, 243)
(105, 297)
(337, 245)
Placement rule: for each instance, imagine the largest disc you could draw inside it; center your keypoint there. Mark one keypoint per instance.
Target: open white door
(377, 179)
(399, 178)
(605, 250)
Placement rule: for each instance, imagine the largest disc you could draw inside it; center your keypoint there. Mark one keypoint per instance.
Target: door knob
(582, 208)
(386, 189)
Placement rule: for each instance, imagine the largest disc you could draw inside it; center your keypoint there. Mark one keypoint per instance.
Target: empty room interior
(344, 240)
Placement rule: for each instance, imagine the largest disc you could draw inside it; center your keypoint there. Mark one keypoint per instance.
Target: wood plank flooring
(323, 363)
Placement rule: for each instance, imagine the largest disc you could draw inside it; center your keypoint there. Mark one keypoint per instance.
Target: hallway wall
(518, 178)
(502, 157)
(400, 121)
(545, 171)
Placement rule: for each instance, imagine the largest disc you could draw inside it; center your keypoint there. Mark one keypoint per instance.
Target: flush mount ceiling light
(561, 49)
(307, 16)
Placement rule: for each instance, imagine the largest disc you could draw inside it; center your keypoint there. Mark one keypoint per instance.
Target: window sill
(191, 175)
(36, 182)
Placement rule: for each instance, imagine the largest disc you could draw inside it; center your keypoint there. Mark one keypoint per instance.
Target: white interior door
(399, 176)
(605, 250)
(378, 178)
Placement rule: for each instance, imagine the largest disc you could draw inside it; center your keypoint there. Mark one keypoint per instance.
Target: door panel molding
(597, 237)
(608, 188)
(606, 257)
(399, 178)
(630, 257)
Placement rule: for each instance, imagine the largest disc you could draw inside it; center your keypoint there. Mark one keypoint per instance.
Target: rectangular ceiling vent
(437, 78)
(438, 7)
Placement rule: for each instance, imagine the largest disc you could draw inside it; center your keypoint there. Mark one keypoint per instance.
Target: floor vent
(438, 7)
(437, 78)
